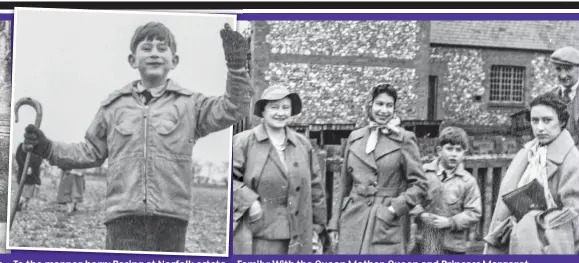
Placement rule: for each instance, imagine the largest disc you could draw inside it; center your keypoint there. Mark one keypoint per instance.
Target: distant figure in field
(70, 190)
(32, 178)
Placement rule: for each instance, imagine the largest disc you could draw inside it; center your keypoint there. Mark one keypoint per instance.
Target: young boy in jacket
(445, 222)
(147, 130)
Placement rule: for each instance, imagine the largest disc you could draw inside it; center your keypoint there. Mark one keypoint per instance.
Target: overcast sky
(70, 61)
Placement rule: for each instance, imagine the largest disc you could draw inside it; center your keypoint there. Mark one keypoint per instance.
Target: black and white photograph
(121, 135)
(409, 137)
(5, 97)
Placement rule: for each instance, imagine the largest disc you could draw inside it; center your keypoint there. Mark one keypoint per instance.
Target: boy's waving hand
(235, 47)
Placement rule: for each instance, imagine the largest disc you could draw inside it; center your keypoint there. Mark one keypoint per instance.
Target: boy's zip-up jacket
(149, 148)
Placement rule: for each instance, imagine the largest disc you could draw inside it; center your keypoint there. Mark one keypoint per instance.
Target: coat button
(350, 169)
(295, 164)
(298, 188)
(297, 212)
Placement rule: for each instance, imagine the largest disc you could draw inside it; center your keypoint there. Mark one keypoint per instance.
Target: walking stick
(36, 105)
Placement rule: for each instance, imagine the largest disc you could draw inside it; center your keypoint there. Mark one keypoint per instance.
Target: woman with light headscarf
(538, 202)
(278, 198)
(381, 181)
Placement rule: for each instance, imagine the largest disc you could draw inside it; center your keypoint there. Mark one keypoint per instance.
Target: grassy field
(46, 225)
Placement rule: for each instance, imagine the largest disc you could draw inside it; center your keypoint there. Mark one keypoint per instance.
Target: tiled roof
(536, 35)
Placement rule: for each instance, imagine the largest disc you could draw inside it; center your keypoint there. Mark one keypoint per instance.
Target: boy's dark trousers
(146, 233)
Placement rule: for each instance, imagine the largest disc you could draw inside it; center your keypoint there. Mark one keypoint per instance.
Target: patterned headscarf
(393, 125)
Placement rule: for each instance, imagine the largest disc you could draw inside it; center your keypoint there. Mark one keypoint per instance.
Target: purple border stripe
(413, 16)
(6, 16)
(44, 256)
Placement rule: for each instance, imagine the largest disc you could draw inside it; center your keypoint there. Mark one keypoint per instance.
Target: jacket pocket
(125, 128)
(257, 225)
(123, 135)
(387, 228)
(274, 223)
(166, 127)
(170, 134)
(168, 120)
(452, 202)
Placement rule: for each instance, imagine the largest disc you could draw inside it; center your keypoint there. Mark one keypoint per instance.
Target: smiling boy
(147, 131)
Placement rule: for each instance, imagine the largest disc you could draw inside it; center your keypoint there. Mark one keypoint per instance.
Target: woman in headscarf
(279, 201)
(381, 181)
(551, 161)
(71, 190)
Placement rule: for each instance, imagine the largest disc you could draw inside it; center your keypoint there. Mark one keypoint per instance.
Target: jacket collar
(261, 134)
(459, 171)
(357, 134)
(558, 148)
(128, 89)
(171, 86)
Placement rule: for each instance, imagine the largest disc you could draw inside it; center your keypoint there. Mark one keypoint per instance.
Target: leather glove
(36, 142)
(235, 47)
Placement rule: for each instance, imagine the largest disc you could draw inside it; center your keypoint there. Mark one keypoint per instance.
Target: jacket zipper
(145, 154)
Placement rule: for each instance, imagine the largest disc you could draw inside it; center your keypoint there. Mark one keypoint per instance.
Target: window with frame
(507, 84)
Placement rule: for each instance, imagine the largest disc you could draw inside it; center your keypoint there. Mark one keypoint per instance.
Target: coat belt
(373, 191)
(280, 201)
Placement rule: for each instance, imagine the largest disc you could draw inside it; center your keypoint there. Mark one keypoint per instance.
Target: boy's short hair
(153, 30)
(453, 136)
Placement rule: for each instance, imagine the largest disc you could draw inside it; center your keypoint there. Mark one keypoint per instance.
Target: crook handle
(34, 104)
(38, 107)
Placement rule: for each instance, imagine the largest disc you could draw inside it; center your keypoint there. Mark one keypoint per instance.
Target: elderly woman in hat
(381, 181)
(550, 161)
(279, 201)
